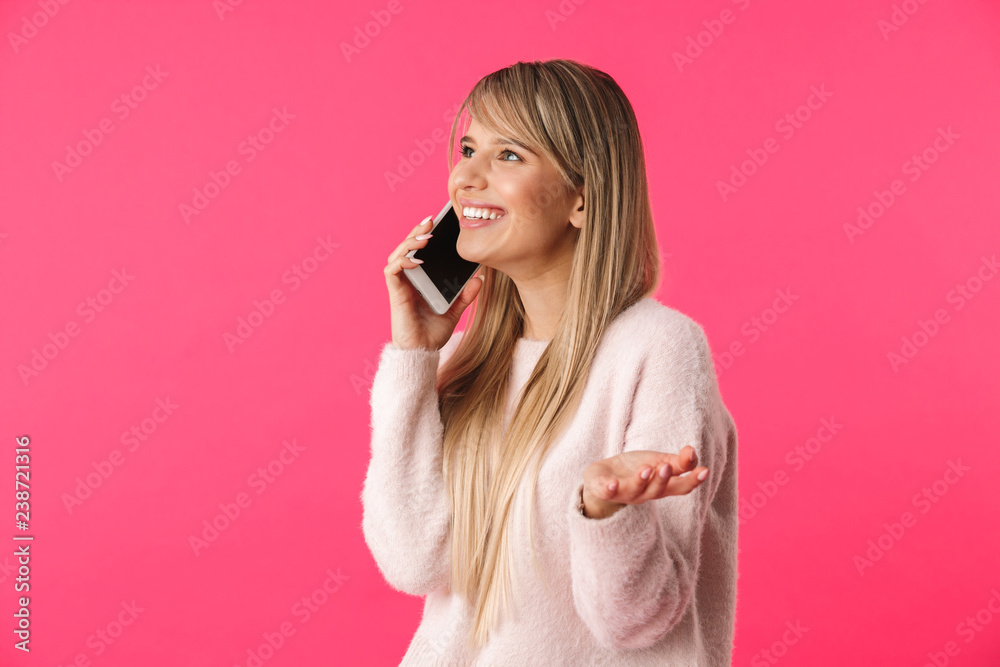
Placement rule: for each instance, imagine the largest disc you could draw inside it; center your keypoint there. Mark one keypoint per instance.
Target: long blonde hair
(581, 120)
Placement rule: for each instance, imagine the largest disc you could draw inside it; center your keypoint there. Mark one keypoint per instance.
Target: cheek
(523, 194)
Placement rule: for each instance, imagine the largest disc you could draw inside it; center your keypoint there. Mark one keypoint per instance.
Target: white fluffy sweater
(653, 584)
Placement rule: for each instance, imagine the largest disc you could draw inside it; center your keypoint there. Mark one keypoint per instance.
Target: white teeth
(472, 213)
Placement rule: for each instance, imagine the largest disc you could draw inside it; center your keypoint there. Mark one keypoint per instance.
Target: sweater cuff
(408, 364)
(632, 523)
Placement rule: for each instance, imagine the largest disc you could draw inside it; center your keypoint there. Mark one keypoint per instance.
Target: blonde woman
(558, 479)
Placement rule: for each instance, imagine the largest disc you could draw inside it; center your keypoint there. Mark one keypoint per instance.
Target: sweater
(652, 584)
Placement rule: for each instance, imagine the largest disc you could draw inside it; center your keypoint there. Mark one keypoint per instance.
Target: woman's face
(540, 221)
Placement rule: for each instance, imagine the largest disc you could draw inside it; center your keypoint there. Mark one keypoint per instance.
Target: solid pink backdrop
(217, 359)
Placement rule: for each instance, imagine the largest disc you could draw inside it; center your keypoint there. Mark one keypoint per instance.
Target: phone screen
(442, 263)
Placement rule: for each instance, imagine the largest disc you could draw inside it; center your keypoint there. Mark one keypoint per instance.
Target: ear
(579, 213)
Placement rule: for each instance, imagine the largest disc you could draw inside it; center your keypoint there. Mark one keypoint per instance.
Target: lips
(489, 213)
(473, 223)
(487, 206)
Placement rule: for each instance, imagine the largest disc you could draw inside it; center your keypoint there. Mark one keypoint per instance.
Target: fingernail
(423, 236)
(702, 475)
(665, 471)
(418, 261)
(645, 473)
(425, 220)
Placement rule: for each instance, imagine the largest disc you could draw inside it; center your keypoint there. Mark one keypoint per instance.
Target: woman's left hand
(633, 477)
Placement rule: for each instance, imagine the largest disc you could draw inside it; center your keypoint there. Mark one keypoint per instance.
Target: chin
(469, 251)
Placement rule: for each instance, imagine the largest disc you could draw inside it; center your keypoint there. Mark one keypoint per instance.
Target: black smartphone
(444, 273)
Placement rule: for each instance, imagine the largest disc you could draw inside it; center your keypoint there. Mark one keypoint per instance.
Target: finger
(685, 483)
(684, 461)
(424, 227)
(633, 487)
(691, 459)
(658, 482)
(400, 253)
(606, 488)
(395, 267)
(409, 244)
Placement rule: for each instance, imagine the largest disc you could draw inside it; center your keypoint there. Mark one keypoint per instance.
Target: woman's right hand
(414, 324)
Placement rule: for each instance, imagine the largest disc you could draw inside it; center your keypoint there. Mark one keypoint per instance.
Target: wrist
(595, 508)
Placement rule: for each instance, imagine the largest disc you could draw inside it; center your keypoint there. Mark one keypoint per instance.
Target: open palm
(619, 479)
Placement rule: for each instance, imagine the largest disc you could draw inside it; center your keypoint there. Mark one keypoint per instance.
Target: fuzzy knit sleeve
(406, 511)
(634, 572)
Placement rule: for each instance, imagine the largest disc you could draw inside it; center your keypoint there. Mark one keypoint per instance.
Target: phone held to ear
(443, 275)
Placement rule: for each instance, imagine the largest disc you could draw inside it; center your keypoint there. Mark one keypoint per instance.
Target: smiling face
(540, 217)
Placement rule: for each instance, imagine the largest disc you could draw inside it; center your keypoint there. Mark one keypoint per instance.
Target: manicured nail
(423, 236)
(418, 261)
(665, 471)
(702, 475)
(646, 473)
(425, 220)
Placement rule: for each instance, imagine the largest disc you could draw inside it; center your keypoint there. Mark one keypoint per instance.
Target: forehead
(476, 133)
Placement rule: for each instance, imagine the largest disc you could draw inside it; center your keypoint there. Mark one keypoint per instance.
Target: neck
(544, 299)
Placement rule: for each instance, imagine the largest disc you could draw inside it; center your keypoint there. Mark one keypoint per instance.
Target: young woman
(559, 479)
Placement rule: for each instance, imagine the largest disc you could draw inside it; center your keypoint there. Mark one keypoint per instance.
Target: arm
(406, 509)
(634, 571)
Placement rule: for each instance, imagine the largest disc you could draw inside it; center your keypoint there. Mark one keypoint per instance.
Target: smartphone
(444, 273)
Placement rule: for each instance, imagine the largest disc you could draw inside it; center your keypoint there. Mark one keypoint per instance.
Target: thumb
(471, 290)
(469, 293)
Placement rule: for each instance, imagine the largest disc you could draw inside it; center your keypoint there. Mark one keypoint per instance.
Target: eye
(465, 147)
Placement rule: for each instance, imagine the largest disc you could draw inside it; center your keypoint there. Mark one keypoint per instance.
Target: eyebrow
(501, 142)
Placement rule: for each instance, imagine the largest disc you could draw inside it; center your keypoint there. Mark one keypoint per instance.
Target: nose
(468, 174)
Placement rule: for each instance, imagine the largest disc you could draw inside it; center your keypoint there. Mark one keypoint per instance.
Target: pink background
(316, 199)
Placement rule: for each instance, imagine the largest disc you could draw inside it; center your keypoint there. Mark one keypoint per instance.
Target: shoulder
(655, 330)
(653, 344)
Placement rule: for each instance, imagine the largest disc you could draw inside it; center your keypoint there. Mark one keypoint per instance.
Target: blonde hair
(580, 119)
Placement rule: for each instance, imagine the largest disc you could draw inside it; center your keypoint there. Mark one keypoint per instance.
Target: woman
(559, 479)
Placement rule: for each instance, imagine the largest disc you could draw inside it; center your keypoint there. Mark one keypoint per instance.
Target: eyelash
(506, 150)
